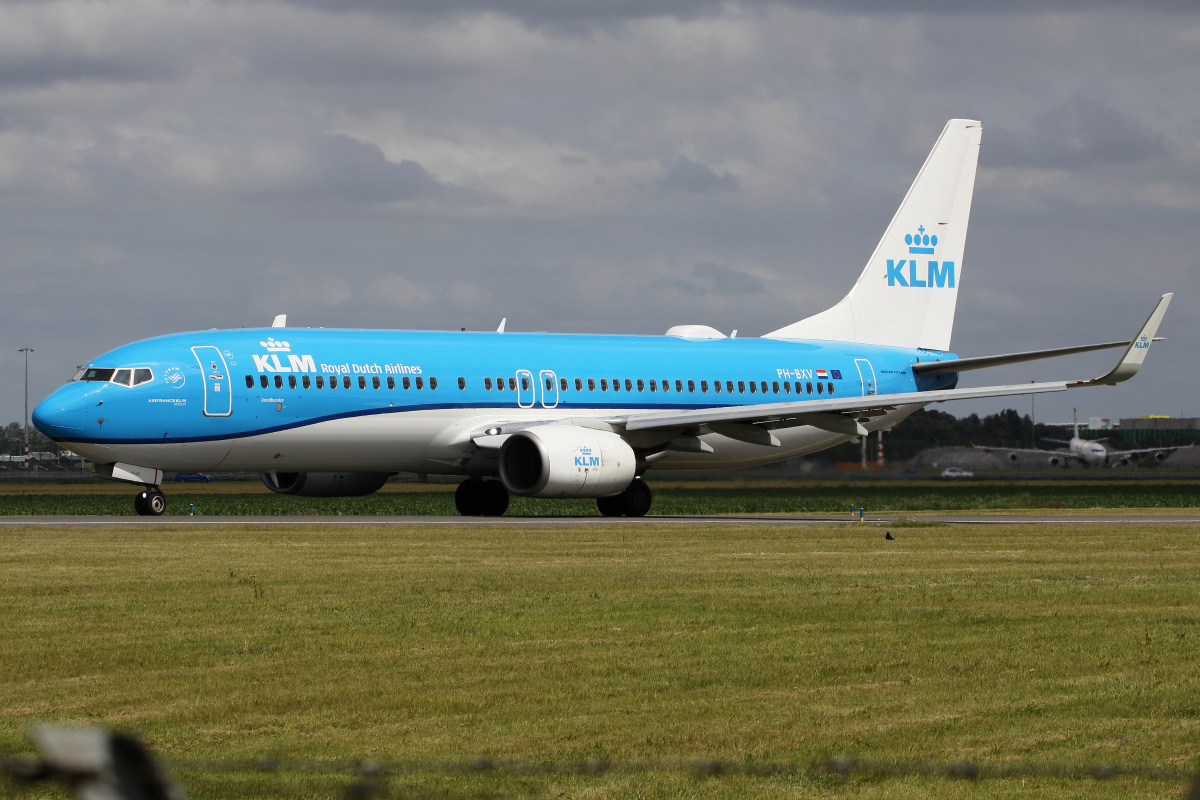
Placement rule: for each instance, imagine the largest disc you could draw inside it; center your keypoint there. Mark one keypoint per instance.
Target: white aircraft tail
(907, 294)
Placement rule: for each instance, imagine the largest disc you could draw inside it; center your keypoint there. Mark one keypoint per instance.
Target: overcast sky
(591, 166)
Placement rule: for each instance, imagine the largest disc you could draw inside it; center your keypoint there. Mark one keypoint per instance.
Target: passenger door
(218, 399)
(866, 374)
(549, 383)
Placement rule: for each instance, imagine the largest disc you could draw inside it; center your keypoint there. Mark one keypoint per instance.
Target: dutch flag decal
(822, 374)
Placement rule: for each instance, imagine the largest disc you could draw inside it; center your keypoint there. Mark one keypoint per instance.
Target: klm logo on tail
(903, 272)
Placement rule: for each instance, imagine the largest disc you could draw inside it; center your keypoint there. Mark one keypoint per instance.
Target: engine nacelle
(325, 484)
(566, 461)
(1054, 461)
(1160, 456)
(1012, 457)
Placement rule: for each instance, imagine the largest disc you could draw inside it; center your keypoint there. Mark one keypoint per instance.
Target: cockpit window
(94, 374)
(141, 376)
(123, 377)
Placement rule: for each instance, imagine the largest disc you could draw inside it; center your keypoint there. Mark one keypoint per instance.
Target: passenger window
(487, 384)
(604, 384)
(320, 382)
(262, 381)
(628, 385)
(549, 384)
(462, 383)
(406, 382)
(653, 385)
(279, 381)
(249, 382)
(345, 381)
(374, 381)
(420, 383)
(579, 384)
(432, 384)
(362, 382)
(752, 387)
(641, 385)
(679, 386)
(742, 387)
(616, 384)
(666, 385)
(562, 384)
(691, 386)
(729, 386)
(524, 384)
(787, 388)
(512, 384)
(143, 375)
(764, 387)
(717, 387)
(591, 384)
(123, 377)
(704, 386)
(820, 388)
(291, 381)
(392, 382)
(306, 382)
(500, 384)
(808, 387)
(333, 381)
(830, 386)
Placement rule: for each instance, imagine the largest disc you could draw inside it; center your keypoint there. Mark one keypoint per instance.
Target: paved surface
(560, 522)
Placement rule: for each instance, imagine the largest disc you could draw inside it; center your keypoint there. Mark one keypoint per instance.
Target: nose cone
(62, 415)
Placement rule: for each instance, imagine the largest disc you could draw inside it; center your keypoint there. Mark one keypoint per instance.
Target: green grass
(998, 644)
(797, 498)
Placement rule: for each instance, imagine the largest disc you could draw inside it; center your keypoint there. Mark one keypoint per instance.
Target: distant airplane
(322, 412)
(1088, 452)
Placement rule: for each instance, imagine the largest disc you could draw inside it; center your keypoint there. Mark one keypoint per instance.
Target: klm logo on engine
(586, 459)
(905, 271)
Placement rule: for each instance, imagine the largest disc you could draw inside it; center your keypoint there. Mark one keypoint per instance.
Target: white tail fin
(906, 295)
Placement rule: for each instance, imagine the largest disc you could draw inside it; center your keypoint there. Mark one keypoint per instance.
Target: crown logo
(282, 347)
(920, 242)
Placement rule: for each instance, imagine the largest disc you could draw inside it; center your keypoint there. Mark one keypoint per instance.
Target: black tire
(468, 497)
(494, 499)
(150, 503)
(140, 506)
(636, 499)
(610, 506)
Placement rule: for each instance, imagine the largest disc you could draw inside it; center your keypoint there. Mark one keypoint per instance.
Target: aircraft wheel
(610, 506)
(493, 499)
(150, 503)
(468, 497)
(636, 499)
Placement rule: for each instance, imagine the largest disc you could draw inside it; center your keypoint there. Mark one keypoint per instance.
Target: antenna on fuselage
(501, 328)
(280, 321)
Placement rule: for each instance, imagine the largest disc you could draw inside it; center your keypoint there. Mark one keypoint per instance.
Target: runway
(1105, 518)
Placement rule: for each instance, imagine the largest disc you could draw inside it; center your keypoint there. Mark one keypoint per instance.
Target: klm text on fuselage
(940, 275)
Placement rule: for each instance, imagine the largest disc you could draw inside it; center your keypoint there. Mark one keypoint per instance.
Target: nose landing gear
(150, 503)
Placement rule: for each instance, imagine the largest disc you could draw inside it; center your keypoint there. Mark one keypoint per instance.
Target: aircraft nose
(58, 417)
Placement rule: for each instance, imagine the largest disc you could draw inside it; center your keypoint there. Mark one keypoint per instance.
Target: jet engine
(1054, 461)
(325, 484)
(1160, 456)
(566, 461)
(1012, 456)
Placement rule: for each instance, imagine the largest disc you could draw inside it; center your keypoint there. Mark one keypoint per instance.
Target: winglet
(1135, 353)
(280, 321)
(501, 328)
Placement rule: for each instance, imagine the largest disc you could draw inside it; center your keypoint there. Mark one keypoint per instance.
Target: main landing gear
(479, 498)
(633, 502)
(150, 503)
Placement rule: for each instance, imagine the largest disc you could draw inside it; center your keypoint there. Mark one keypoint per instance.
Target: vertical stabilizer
(906, 295)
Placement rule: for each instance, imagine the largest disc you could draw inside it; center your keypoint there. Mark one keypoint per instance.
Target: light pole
(26, 351)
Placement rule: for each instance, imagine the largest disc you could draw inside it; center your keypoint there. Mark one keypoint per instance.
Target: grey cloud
(358, 172)
(686, 175)
(1081, 132)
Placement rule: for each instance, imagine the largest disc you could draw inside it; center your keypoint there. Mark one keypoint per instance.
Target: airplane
(336, 412)
(1089, 452)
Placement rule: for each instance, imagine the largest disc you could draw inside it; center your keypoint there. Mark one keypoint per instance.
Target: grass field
(671, 498)
(998, 644)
